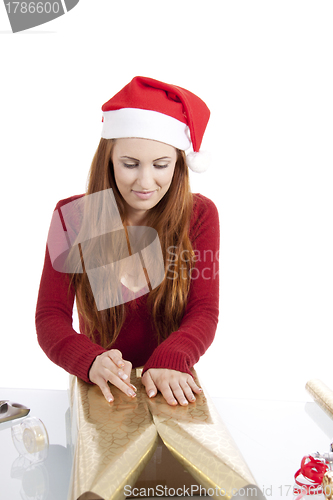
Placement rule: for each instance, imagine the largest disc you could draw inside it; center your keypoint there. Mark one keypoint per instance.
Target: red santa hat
(150, 109)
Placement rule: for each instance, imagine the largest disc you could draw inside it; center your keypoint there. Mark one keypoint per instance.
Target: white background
(265, 70)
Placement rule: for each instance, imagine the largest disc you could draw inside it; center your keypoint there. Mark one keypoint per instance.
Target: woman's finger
(127, 369)
(109, 365)
(187, 391)
(116, 357)
(123, 386)
(184, 392)
(195, 388)
(147, 381)
(167, 393)
(182, 386)
(104, 387)
(104, 370)
(177, 387)
(119, 366)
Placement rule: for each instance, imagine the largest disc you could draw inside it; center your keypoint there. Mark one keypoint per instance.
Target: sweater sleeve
(73, 351)
(183, 348)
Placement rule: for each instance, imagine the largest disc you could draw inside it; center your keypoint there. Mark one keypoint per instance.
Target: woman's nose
(145, 177)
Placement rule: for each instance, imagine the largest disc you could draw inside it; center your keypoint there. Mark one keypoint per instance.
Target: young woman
(137, 316)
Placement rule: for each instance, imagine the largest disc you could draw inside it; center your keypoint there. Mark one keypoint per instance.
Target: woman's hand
(176, 387)
(110, 367)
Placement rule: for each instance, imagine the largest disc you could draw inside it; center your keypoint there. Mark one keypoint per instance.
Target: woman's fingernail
(184, 402)
(133, 386)
(131, 393)
(174, 402)
(122, 375)
(110, 399)
(193, 399)
(151, 393)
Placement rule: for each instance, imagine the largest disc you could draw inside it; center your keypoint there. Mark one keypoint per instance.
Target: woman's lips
(144, 195)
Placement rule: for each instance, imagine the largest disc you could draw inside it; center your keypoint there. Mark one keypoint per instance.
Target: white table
(273, 436)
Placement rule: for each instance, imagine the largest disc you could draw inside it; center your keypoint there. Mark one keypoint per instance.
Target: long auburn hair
(171, 219)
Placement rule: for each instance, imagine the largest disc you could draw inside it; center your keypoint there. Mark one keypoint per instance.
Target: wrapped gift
(136, 447)
(322, 394)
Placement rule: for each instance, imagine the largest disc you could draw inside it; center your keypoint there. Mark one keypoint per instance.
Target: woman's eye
(162, 166)
(130, 165)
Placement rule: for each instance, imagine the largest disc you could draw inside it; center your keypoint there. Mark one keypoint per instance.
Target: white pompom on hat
(150, 109)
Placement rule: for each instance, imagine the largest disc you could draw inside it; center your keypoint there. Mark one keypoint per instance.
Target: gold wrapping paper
(322, 395)
(114, 442)
(198, 438)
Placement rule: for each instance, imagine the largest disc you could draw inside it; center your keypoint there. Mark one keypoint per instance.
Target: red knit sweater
(75, 352)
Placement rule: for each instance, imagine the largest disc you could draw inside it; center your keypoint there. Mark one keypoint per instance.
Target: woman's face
(143, 171)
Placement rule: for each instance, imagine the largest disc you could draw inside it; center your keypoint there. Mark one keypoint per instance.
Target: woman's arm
(67, 348)
(75, 352)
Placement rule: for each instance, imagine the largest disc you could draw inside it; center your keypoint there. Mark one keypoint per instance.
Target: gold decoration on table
(322, 394)
(114, 442)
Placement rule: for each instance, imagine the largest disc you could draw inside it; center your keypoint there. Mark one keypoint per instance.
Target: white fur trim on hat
(145, 124)
(198, 162)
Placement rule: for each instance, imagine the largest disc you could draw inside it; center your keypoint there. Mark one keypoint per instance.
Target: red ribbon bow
(312, 469)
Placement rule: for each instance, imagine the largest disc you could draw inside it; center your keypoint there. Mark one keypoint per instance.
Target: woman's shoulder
(203, 206)
(70, 199)
(205, 218)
